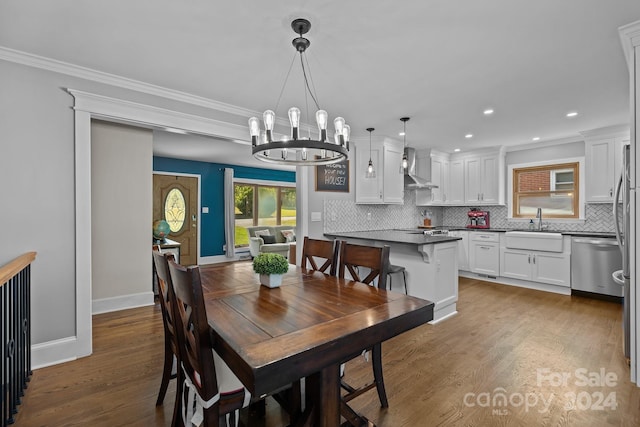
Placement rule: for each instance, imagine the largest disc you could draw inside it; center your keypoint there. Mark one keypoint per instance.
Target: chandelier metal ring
(296, 150)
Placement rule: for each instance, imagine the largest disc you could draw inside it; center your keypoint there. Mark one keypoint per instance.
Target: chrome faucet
(539, 218)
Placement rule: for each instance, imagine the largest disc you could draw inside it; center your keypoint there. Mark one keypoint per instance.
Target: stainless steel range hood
(411, 180)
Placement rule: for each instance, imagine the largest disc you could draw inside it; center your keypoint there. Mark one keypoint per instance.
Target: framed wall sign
(333, 177)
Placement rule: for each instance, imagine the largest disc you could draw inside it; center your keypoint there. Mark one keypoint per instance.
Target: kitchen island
(431, 263)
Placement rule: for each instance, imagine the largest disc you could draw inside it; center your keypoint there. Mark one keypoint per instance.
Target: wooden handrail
(12, 268)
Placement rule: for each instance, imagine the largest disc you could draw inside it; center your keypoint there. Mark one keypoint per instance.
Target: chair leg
(404, 276)
(376, 360)
(166, 374)
(176, 420)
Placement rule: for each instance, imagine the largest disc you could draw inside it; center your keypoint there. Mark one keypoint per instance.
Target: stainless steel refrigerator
(622, 216)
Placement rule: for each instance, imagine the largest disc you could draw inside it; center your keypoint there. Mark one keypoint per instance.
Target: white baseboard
(217, 259)
(445, 317)
(53, 352)
(562, 290)
(123, 302)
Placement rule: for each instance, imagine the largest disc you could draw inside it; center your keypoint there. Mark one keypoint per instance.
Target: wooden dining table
(271, 337)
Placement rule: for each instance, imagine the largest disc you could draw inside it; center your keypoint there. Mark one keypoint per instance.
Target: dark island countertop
(406, 236)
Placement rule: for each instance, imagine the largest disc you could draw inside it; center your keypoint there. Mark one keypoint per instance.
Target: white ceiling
(372, 61)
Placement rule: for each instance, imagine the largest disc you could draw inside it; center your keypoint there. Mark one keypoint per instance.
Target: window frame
(579, 186)
(256, 184)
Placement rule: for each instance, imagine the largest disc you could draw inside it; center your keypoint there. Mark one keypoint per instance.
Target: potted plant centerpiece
(270, 267)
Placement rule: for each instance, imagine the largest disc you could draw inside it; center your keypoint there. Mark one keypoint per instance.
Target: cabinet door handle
(611, 192)
(534, 259)
(485, 247)
(478, 198)
(529, 259)
(381, 194)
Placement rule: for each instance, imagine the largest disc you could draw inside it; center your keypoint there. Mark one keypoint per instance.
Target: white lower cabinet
(463, 248)
(544, 267)
(484, 253)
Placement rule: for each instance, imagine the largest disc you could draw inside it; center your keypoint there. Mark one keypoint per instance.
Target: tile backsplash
(598, 217)
(346, 215)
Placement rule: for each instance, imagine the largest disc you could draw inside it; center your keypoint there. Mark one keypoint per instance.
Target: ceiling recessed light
(572, 114)
(469, 135)
(456, 150)
(536, 138)
(488, 111)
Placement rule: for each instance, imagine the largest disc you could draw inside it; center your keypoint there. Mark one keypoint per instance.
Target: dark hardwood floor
(511, 357)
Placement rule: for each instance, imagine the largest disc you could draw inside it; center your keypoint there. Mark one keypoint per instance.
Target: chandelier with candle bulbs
(297, 149)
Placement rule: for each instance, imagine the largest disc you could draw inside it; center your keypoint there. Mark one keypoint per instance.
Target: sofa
(280, 243)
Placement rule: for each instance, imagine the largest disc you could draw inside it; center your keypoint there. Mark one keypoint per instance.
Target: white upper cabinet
(388, 185)
(393, 185)
(484, 178)
(455, 191)
(603, 163)
(439, 178)
(476, 178)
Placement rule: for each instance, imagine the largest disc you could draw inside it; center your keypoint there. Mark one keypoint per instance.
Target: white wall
(121, 200)
(37, 193)
(37, 171)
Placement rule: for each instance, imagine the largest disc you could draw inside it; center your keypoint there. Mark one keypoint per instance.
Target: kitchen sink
(534, 240)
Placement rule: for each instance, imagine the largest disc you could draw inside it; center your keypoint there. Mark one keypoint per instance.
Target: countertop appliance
(478, 219)
(436, 232)
(624, 198)
(593, 260)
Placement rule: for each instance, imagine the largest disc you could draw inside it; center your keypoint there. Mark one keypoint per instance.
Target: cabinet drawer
(481, 236)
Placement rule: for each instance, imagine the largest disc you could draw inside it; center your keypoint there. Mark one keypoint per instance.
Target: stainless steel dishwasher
(593, 260)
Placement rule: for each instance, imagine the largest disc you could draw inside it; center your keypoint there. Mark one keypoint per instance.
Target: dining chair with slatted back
(171, 352)
(315, 251)
(212, 394)
(376, 261)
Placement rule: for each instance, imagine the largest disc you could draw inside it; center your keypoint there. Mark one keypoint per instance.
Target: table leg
(323, 392)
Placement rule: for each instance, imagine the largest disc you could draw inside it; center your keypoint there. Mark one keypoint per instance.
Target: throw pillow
(268, 239)
(260, 233)
(289, 235)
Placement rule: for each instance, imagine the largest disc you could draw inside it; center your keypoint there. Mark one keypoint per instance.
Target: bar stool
(397, 269)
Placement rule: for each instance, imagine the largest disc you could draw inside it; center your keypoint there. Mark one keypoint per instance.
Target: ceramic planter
(271, 280)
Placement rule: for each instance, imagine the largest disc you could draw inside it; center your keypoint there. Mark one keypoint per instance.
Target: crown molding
(630, 38)
(542, 144)
(606, 132)
(41, 62)
(147, 115)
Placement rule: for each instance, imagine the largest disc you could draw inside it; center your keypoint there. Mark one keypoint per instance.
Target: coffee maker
(478, 218)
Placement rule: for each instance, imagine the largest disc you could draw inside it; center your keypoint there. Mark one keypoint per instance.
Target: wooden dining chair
(171, 353)
(212, 394)
(315, 251)
(353, 259)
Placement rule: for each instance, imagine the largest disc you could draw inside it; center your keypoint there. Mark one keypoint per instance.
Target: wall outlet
(205, 209)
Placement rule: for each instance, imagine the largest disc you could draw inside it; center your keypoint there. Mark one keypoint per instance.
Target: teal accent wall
(212, 188)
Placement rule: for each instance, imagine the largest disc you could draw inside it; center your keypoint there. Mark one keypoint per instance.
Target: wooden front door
(175, 199)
